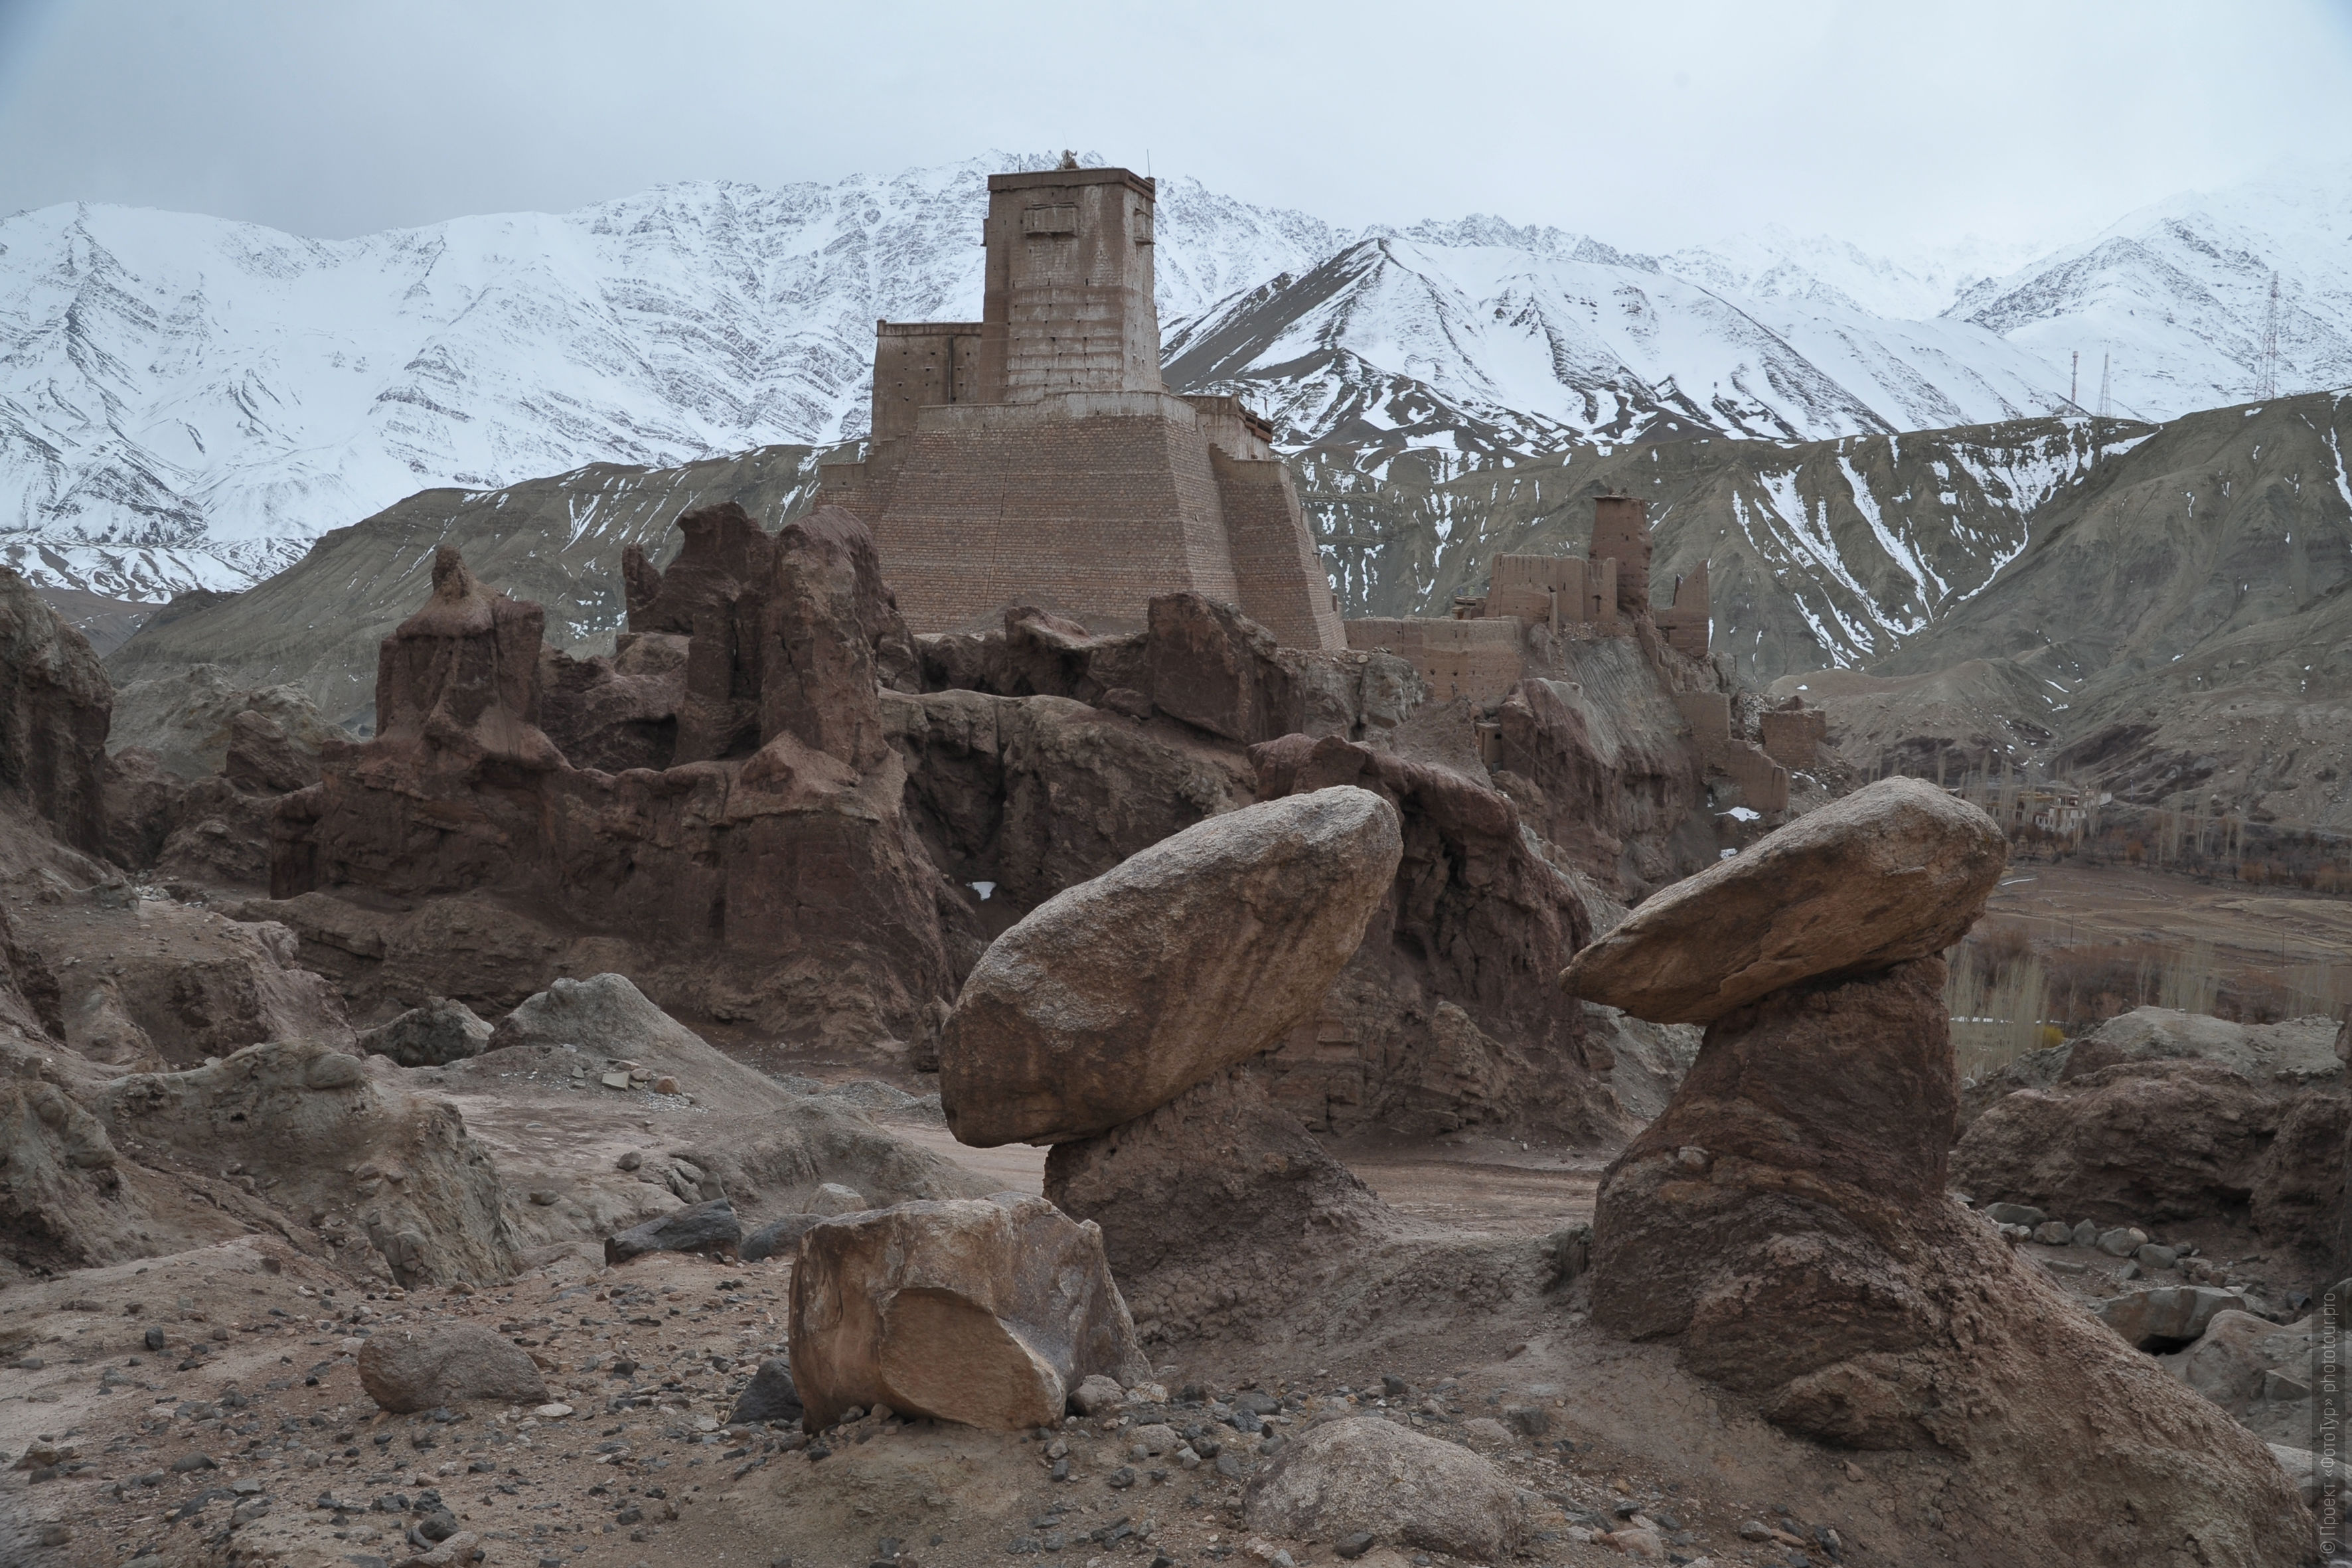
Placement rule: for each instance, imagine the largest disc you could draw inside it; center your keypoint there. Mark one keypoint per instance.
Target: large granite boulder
(1116, 996)
(423, 1366)
(986, 1312)
(1366, 1476)
(1896, 870)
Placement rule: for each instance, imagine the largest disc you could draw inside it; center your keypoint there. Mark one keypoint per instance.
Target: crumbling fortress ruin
(1536, 608)
(1034, 456)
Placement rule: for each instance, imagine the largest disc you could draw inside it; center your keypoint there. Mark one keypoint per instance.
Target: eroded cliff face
(773, 857)
(773, 807)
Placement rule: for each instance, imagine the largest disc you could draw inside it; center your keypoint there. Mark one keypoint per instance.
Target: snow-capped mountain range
(186, 401)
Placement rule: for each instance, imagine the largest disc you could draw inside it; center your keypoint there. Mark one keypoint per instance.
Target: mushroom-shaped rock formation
(1897, 870)
(1785, 1220)
(1112, 998)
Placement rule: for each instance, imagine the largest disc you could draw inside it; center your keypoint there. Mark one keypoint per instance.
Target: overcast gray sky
(1647, 124)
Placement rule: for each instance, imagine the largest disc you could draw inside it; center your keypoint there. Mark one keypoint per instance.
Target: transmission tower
(2266, 386)
(2104, 361)
(2075, 383)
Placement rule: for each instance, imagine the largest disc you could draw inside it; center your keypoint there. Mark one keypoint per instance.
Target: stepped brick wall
(1034, 456)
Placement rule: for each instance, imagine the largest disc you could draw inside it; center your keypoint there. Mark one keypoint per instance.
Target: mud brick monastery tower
(1035, 456)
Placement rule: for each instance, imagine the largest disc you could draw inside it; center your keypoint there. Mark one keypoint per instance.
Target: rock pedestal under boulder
(987, 1312)
(1190, 1197)
(1114, 997)
(1786, 1221)
(407, 1369)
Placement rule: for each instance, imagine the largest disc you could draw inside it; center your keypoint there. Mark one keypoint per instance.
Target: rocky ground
(381, 1214)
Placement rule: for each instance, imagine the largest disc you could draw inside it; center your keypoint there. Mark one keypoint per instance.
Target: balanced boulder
(1113, 998)
(1896, 870)
(986, 1312)
(405, 1369)
(1785, 1219)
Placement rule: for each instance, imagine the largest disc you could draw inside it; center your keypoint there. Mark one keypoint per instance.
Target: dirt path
(1489, 1187)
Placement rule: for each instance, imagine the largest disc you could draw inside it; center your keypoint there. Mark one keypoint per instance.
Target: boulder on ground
(1896, 870)
(2167, 1317)
(1366, 1476)
(1097, 1395)
(2152, 1140)
(709, 1228)
(2232, 1363)
(780, 1238)
(442, 1031)
(985, 1311)
(407, 1368)
(833, 1198)
(769, 1396)
(1114, 997)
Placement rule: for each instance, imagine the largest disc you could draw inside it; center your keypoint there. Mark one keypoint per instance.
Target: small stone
(771, 1395)
(833, 1198)
(2014, 1213)
(2086, 1232)
(2054, 1232)
(1096, 1394)
(2122, 1242)
(2153, 1257)
(2281, 1388)
(1354, 1546)
(188, 1463)
(665, 1084)
(54, 1534)
(631, 1161)
(615, 1081)
(153, 1339)
(544, 1197)
(557, 1412)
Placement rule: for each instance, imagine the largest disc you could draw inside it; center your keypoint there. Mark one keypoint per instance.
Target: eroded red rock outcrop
(773, 850)
(1785, 1222)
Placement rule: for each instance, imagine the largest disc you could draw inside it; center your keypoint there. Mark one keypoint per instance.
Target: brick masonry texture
(1035, 457)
